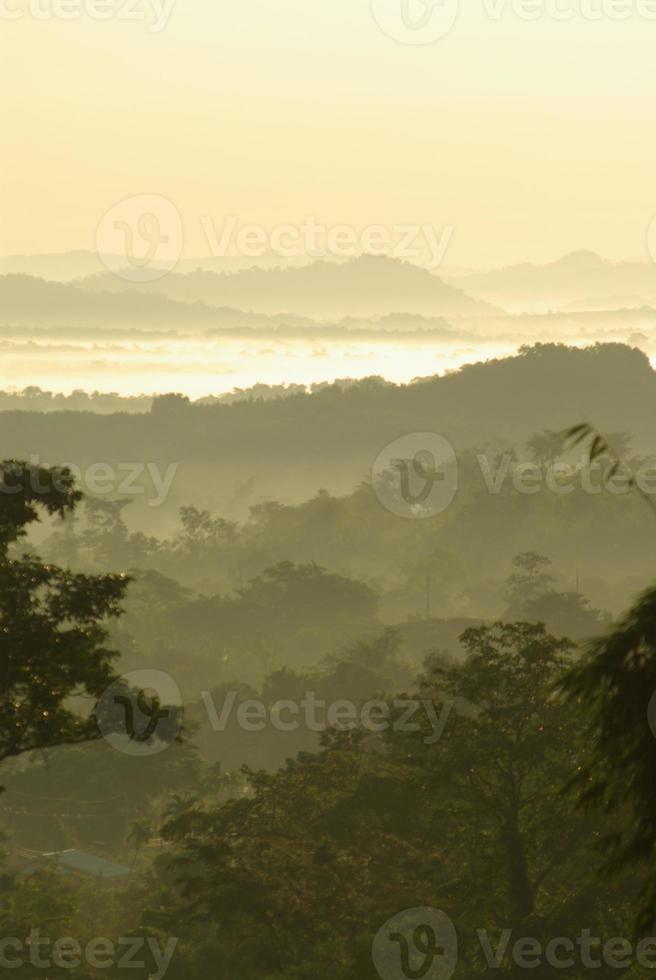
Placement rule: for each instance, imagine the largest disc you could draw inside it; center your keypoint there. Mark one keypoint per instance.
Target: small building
(73, 860)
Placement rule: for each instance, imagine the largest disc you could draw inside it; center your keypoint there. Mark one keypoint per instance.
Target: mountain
(80, 264)
(289, 447)
(26, 301)
(58, 266)
(569, 280)
(368, 286)
(605, 304)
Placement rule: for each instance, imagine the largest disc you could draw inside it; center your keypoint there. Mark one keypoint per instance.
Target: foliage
(613, 687)
(52, 622)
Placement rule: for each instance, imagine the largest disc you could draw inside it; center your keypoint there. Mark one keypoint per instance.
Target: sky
(528, 137)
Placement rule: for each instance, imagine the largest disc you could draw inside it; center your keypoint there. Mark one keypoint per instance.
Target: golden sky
(530, 137)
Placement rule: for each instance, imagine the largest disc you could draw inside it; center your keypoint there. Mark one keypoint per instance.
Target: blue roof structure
(73, 860)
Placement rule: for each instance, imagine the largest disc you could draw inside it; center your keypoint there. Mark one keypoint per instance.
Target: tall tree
(140, 833)
(52, 621)
(614, 687)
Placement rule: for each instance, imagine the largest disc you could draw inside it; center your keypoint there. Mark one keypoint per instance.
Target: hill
(572, 279)
(28, 301)
(82, 263)
(364, 287)
(230, 456)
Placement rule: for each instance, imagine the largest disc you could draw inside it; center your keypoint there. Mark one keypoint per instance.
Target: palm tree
(178, 805)
(139, 833)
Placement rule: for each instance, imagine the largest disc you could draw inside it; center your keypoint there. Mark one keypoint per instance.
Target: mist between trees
(375, 713)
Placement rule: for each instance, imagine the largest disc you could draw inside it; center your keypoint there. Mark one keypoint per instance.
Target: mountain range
(368, 286)
(27, 302)
(582, 278)
(67, 266)
(354, 291)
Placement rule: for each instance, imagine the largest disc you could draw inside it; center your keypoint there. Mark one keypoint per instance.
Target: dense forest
(327, 490)
(246, 741)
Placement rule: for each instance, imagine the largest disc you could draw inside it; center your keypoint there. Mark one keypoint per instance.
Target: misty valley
(327, 491)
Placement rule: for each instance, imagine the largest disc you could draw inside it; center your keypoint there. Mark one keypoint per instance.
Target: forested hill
(330, 437)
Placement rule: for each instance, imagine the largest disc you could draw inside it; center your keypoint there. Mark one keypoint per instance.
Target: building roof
(74, 860)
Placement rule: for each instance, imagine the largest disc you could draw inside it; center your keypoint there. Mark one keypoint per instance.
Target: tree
(139, 834)
(202, 532)
(52, 633)
(498, 771)
(107, 533)
(295, 879)
(530, 580)
(565, 614)
(546, 446)
(178, 805)
(613, 686)
(170, 406)
(299, 874)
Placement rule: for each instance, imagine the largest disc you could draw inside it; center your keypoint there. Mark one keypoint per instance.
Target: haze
(275, 111)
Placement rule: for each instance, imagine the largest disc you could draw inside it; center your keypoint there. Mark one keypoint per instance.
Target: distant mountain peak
(581, 259)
